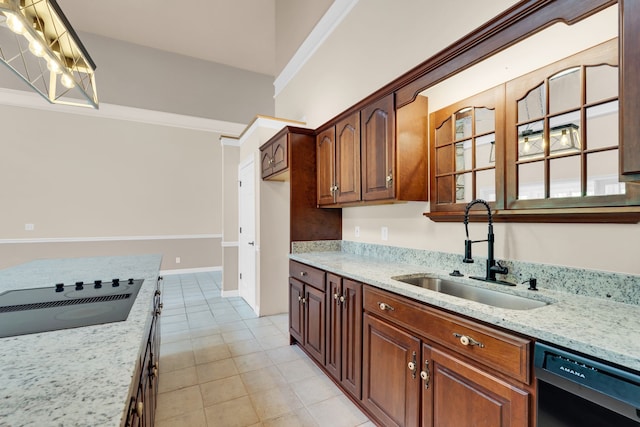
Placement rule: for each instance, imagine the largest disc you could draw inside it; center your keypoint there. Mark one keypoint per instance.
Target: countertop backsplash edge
(611, 286)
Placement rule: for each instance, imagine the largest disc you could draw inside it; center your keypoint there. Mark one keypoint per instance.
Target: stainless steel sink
(472, 293)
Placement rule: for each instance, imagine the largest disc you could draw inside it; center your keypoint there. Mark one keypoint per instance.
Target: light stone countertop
(80, 376)
(601, 328)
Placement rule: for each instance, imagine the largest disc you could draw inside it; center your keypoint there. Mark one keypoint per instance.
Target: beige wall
(376, 43)
(201, 253)
(94, 179)
(230, 155)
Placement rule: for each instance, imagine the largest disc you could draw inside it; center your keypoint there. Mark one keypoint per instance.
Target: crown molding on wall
(265, 122)
(20, 98)
(110, 238)
(229, 141)
(323, 29)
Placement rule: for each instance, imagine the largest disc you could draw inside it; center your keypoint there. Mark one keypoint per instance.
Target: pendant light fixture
(39, 45)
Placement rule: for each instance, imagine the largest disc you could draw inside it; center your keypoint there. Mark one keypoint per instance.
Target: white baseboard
(190, 270)
(229, 294)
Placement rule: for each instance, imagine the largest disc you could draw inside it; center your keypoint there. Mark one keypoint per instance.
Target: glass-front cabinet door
(562, 128)
(466, 152)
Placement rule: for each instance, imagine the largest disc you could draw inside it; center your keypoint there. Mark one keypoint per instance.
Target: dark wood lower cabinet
(464, 395)
(314, 322)
(404, 363)
(391, 391)
(344, 333)
(307, 318)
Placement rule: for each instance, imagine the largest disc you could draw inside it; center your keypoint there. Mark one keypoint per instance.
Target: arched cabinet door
(325, 166)
(378, 150)
(348, 159)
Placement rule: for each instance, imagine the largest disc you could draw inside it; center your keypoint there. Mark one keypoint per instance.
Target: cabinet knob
(467, 340)
(140, 409)
(425, 374)
(303, 273)
(412, 365)
(342, 298)
(385, 307)
(336, 296)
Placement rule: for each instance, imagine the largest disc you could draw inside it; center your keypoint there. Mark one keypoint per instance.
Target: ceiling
(238, 33)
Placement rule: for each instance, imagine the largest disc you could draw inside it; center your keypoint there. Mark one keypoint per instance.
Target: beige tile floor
(220, 365)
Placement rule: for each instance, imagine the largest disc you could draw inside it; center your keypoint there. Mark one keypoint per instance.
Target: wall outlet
(29, 227)
(384, 233)
(357, 231)
(177, 260)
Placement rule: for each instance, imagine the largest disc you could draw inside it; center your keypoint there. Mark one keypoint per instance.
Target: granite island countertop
(80, 376)
(597, 327)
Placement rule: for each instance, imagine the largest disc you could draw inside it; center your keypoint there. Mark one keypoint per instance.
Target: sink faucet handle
(499, 268)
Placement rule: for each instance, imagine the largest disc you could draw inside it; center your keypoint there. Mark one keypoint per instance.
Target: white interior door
(247, 234)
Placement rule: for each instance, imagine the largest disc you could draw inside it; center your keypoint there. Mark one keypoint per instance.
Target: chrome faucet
(493, 267)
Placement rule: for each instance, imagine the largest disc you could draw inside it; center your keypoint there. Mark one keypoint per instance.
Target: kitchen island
(81, 376)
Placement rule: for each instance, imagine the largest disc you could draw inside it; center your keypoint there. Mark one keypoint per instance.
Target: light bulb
(15, 24)
(67, 81)
(54, 66)
(36, 48)
(563, 139)
(527, 146)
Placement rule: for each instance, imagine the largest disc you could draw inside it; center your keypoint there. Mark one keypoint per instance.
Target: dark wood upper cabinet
(393, 169)
(378, 149)
(290, 156)
(274, 156)
(373, 155)
(466, 153)
(348, 188)
(338, 162)
(629, 90)
(326, 166)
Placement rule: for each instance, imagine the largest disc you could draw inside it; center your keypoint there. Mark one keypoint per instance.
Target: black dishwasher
(576, 391)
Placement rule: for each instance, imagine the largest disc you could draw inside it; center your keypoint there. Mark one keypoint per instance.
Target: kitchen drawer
(506, 353)
(309, 275)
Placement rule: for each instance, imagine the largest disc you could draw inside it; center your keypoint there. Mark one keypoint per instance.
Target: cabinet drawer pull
(384, 306)
(467, 340)
(303, 273)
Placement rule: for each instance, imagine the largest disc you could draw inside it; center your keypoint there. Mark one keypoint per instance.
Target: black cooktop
(63, 306)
